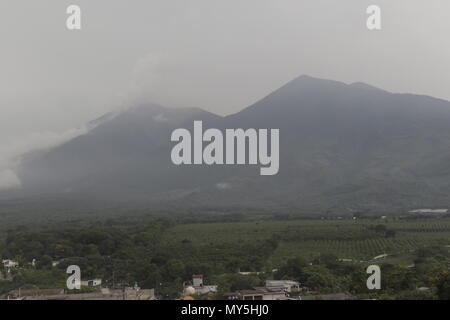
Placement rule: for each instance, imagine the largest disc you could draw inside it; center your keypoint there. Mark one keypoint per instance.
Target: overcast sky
(220, 55)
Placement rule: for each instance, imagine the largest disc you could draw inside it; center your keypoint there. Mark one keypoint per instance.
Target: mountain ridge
(342, 147)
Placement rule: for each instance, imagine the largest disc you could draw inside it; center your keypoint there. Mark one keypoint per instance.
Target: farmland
(327, 255)
(347, 238)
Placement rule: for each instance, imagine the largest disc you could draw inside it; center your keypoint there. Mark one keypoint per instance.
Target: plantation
(347, 239)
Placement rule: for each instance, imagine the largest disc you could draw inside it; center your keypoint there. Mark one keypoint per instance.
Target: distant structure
(441, 211)
(197, 280)
(381, 256)
(9, 264)
(258, 293)
(198, 287)
(274, 290)
(91, 283)
(288, 286)
(248, 273)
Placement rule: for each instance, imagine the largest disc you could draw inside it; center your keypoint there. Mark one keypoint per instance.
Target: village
(194, 289)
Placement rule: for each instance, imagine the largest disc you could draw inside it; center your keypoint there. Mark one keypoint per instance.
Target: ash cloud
(11, 153)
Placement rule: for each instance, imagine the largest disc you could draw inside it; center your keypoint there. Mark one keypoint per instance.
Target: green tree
(44, 262)
(319, 278)
(293, 269)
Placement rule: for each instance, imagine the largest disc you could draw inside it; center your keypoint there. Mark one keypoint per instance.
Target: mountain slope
(342, 147)
(127, 154)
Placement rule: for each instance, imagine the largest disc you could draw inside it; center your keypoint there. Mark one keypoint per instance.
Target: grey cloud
(214, 54)
(10, 154)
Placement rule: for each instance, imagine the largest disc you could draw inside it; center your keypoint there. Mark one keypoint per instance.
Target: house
(274, 290)
(288, 286)
(91, 283)
(198, 287)
(8, 264)
(197, 280)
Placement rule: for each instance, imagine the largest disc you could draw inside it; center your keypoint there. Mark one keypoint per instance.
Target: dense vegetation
(325, 255)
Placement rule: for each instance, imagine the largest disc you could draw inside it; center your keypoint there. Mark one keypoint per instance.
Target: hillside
(342, 147)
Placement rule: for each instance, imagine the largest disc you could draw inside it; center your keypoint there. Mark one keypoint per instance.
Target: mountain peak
(306, 83)
(307, 79)
(320, 83)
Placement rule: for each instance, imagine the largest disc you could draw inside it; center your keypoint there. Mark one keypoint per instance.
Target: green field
(347, 239)
(326, 255)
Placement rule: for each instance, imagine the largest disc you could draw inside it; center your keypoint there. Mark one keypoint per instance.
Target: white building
(198, 287)
(288, 286)
(197, 280)
(8, 264)
(274, 290)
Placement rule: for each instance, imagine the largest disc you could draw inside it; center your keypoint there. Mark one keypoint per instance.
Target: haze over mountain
(342, 147)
